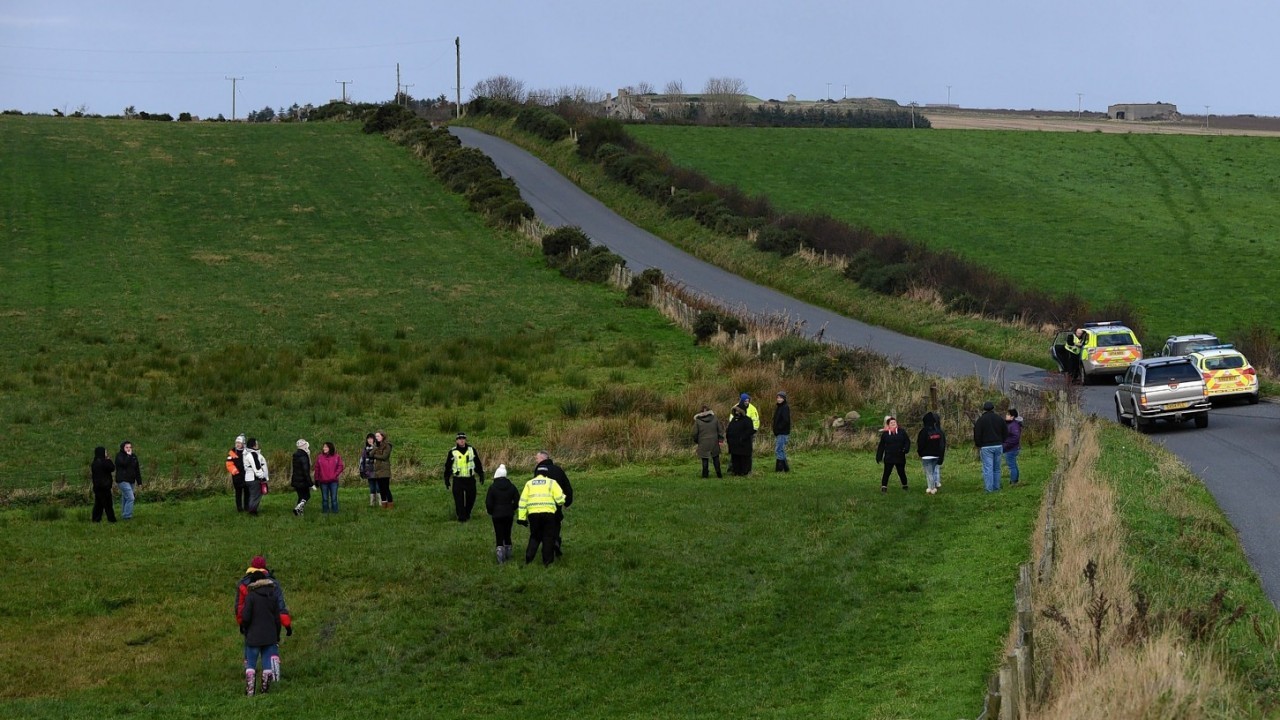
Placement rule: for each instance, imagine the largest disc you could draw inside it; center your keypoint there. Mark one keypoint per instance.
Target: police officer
(547, 466)
(461, 471)
(539, 510)
(744, 402)
(1075, 352)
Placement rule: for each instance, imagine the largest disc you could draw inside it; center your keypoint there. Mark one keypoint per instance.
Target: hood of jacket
(262, 585)
(929, 420)
(705, 416)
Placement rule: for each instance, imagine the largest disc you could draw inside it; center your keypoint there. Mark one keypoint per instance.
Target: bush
(595, 264)
(601, 131)
(639, 290)
(512, 212)
(387, 117)
(888, 279)
(772, 238)
(791, 348)
(564, 240)
(710, 322)
(489, 106)
(544, 124)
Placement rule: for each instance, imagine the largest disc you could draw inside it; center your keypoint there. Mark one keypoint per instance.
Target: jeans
(269, 654)
(932, 472)
(373, 486)
(991, 467)
(780, 447)
(329, 497)
(126, 493)
(1011, 459)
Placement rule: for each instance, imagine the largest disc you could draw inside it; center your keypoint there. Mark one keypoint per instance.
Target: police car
(1185, 344)
(1109, 349)
(1226, 372)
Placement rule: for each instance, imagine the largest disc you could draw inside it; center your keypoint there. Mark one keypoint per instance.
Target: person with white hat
(501, 503)
(235, 466)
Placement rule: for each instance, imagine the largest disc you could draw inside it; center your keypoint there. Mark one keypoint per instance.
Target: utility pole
(405, 95)
(397, 83)
(1079, 104)
(233, 95)
(344, 84)
(457, 47)
(828, 91)
(1206, 118)
(948, 96)
(913, 114)
(846, 92)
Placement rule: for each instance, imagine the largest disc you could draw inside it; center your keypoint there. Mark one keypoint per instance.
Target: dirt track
(978, 120)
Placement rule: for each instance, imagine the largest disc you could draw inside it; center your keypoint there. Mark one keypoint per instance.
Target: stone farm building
(1143, 111)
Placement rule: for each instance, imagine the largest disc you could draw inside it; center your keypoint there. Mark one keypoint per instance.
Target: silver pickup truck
(1168, 388)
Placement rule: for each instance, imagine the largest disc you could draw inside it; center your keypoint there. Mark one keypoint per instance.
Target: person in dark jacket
(100, 471)
(892, 451)
(738, 437)
(708, 435)
(366, 469)
(381, 473)
(989, 432)
(128, 474)
(931, 446)
(1012, 442)
(462, 469)
(301, 477)
(781, 431)
(548, 467)
(501, 502)
(260, 622)
(235, 467)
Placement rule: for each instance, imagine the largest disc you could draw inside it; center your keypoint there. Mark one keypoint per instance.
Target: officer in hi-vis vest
(461, 471)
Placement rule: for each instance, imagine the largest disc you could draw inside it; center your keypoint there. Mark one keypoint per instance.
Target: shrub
(772, 238)
(544, 124)
(791, 348)
(613, 400)
(387, 117)
(595, 264)
(710, 322)
(519, 427)
(564, 240)
(639, 290)
(512, 212)
(489, 106)
(600, 131)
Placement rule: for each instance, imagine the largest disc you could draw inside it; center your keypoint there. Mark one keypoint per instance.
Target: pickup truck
(1165, 388)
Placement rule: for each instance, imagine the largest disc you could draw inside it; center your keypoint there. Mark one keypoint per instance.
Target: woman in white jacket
(255, 474)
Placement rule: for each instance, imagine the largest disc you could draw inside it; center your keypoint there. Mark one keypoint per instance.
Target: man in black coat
(781, 431)
(547, 466)
(737, 436)
(989, 431)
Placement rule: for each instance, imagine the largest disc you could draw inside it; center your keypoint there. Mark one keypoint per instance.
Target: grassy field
(179, 284)
(1180, 226)
(809, 595)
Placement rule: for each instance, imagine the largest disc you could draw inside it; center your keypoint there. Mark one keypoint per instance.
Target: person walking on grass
(546, 466)
(328, 470)
(260, 613)
(366, 469)
(256, 475)
(501, 502)
(128, 474)
(931, 446)
(708, 436)
(989, 432)
(1012, 442)
(737, 436)
(100, 470)
(381, 454)
(462, 469)
(300, 479)
(781, 432)
(540, 501)
(892, 451)
(235, 466)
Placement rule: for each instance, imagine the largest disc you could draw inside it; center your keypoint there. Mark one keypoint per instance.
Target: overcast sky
(173, 56)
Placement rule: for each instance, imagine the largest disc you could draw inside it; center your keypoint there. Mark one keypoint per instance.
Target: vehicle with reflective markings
(1226, 372)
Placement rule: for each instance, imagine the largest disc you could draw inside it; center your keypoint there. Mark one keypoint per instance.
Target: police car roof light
(1102, 323)
(1224, 346)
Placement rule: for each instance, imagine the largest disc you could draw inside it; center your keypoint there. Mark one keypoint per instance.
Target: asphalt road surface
(1237, 456)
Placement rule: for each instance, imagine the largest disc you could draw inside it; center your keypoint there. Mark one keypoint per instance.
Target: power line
(222, 52)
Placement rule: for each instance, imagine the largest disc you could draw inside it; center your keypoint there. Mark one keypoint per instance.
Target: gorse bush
(564, 241)
(543, 123)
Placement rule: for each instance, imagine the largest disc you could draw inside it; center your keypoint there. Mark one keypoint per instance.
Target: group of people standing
(251, 476)
(993, 437)
(739, 436)
(125, 472)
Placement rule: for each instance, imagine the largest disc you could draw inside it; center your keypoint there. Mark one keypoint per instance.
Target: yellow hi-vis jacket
(464, 463)
(754, 414)
(540, 495)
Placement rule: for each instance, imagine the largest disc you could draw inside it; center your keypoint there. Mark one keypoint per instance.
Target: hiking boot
(249, 682)
(501, 553)
(267, 677)
(884, 488)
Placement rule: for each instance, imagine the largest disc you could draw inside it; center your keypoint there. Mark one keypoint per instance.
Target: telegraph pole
(397, 83)
(1206, 118)
(344, 84)
(457, 46)
(1079, 104)
(948, 96)
(233, 95)
(828, 91)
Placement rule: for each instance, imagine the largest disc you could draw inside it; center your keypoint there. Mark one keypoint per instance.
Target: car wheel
(1253, 399)
(1202, 420)
(1143, 426)
(1120, 418)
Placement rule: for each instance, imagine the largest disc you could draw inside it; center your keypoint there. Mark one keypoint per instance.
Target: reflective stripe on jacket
(464, 463)
(540, 495)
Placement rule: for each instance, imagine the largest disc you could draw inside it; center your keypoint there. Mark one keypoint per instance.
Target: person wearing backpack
(260, 613)
(931, 446)
(256, 475)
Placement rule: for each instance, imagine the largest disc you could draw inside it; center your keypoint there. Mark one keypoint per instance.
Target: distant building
(1143, 111)
(624, 107)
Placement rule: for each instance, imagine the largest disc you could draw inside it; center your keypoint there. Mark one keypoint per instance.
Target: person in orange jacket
(235, 467)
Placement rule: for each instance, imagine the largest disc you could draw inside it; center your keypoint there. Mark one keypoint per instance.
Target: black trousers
(304, 493)
(502, 530)
(739, 464)
(544, 528)
(242, 492)
(464, 497)
(716, 459)
(102, 501)
(889, 466)
(384, 488)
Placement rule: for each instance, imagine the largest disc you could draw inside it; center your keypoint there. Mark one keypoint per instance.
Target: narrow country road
(1237, 456)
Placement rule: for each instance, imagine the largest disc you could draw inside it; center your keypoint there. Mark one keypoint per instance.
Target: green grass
(805, 595)
(1180, 226)
(177, 284)
(1183, 551)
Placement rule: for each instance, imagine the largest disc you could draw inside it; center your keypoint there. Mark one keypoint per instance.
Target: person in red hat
(259, 599)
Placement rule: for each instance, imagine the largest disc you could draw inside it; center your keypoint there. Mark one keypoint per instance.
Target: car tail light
(1207, 376)
(1250, 371)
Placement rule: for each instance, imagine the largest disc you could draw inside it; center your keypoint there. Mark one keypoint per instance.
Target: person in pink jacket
(328, 468)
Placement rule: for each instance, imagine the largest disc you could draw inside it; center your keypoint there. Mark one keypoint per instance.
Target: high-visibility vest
(464, 463)
(540, 495)
(754, 414)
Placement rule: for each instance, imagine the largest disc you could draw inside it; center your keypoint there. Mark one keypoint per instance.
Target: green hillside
(1181, 226)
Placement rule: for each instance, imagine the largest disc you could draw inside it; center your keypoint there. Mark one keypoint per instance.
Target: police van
(1109, 348)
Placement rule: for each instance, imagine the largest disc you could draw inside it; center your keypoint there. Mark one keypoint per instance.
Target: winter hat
(240, 438)
(988, 405)
(782, 394)
(304, 446)
(258, 562)
(744, 397)
(500, 472)
(100, 452)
